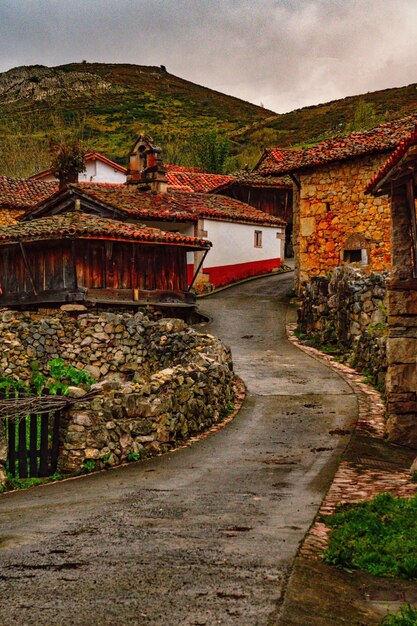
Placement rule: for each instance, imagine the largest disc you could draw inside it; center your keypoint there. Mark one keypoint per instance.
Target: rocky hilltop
(40, 83)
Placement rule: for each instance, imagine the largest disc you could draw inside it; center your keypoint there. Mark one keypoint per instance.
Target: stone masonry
(331, 207)
(349, 310)
(158, 381)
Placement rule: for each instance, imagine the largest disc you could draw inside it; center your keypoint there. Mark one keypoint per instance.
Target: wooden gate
(33, 445)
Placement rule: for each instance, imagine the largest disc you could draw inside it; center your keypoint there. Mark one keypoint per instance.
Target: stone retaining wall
(158, 382)
(349, 310)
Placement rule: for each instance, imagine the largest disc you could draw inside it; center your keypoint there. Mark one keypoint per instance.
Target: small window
(352, 256)
(328, 207)
(258, 239)
(356, 256)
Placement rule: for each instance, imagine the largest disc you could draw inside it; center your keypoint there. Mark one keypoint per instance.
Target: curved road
(204, 535)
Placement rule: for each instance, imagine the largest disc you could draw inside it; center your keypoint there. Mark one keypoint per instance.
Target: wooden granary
(75, 257)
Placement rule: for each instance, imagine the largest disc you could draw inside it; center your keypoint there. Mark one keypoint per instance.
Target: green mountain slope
(109, 104)
(114, 103)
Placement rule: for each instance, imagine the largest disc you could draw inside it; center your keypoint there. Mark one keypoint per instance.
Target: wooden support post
(32, 282)
(198, 270)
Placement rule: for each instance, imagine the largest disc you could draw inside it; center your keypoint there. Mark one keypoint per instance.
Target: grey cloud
(285, 54)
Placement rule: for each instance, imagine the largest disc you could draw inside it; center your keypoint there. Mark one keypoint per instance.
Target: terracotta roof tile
(22, 194)
(195, 181)
(382, 138)
(174, 205)
(393, 160)
(255, 179)
(80, 225)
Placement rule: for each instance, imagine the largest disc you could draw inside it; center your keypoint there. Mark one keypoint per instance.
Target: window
(258, 239)
(328, 207)
(356, 249)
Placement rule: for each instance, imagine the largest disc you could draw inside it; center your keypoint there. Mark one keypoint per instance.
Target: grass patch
(379, 537)
(407, 616)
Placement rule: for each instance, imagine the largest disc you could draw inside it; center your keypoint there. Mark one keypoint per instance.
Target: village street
(207, 534)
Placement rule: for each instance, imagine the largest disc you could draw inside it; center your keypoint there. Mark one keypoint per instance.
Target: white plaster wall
(233, 243)
(98, 172)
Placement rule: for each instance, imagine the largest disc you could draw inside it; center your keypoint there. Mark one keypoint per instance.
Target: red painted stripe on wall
(225, 274)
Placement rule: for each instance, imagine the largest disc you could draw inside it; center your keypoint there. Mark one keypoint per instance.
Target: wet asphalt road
(202, 536)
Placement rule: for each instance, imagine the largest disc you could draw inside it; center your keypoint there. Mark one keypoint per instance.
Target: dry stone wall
(330, 207)
(349, 310)
(158, 381)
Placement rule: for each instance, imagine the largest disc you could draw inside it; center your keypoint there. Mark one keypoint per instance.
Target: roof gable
(396, 165)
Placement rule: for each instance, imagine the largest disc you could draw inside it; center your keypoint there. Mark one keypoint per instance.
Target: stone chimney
(146, 167)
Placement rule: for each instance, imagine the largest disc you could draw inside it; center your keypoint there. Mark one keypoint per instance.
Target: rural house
(98, 169)
(335, 221)
(246, 241)
(270, 194)
(397, 179)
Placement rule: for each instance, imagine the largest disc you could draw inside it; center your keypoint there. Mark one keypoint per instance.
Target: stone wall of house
(402, 329)
(330, 207)
(349, 310)
(158, 381)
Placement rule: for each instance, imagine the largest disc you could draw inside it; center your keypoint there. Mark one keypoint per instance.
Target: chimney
(146, 167)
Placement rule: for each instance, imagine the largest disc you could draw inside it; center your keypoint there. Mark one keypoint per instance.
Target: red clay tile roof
(182, 168)
(21, 194)
(380, 139)
(195, 181)
(80, 225)
(174, 205)
(255, 179)
(393, 160)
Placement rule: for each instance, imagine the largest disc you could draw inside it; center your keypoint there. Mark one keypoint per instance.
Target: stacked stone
(159, 381)
(349, 310)
(333, 205)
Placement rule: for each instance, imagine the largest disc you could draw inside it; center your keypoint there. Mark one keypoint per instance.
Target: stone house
(396, 181)
(335, 221)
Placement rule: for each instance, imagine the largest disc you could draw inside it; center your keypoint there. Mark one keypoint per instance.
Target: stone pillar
(296, 237)
(402, 330)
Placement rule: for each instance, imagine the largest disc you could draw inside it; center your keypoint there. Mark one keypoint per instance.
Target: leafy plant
(62, 372)
(89, 466)
(105, 457)
(379, 537)
(133, 456)
(407, 616)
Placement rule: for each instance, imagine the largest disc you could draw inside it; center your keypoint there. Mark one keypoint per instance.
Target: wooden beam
(412, 207)
(25, 259)
(295, 180)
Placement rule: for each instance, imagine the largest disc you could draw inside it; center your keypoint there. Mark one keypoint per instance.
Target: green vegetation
(379, 537)
(173, 110)
(89, 466)
(25, 483)
(407, 616)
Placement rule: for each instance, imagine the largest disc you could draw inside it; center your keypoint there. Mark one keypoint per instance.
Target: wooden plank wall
(99, 265)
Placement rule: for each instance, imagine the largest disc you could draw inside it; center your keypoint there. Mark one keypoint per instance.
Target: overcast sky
(282, 53)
